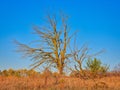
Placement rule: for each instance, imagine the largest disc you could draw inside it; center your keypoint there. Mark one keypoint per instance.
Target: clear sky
(97, 20)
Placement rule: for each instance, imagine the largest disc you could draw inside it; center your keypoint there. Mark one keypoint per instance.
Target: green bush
(96, 67)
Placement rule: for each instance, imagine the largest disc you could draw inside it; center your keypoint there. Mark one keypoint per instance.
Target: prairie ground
(62, 83)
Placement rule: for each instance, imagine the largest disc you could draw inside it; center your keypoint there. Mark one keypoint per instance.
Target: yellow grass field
(64, 83)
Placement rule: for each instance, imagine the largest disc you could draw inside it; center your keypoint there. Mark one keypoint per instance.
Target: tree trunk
(61, 70)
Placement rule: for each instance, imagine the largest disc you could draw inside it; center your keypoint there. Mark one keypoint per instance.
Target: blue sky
(97, 20)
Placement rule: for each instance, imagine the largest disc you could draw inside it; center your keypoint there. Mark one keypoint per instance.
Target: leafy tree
(95, 66)
(54, 42)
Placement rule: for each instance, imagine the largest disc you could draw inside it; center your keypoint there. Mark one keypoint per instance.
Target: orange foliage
(64, 83)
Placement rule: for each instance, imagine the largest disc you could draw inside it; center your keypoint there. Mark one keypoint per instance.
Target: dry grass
(64, 83)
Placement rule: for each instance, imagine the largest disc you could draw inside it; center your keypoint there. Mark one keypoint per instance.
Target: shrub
(95, 67)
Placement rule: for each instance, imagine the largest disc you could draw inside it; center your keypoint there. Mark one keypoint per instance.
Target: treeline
(93, 69)
(19, 73)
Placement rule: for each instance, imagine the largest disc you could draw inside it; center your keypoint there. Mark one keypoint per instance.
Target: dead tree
(53, 44)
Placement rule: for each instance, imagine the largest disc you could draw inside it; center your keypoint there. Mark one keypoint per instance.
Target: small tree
(79, 56)
(95, 67)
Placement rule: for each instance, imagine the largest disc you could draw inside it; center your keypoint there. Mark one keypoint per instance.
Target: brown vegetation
(54, 81)
(64, 83)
